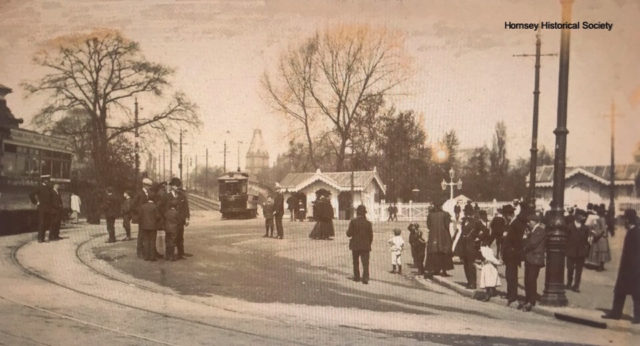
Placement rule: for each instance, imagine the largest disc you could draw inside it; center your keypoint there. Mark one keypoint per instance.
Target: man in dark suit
(141, 198)
(177, 197)
(278, 206)
(628, 281)
(498, 227)
(42, 198)
(111, 209)
(57, 211)
(534, 252)
(577, 249)
(512, 250)
(361, 233)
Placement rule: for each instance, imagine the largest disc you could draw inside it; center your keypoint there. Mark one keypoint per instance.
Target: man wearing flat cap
(142, 197)
(577, 249)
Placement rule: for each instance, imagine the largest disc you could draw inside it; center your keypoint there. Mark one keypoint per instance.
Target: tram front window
(233, 188)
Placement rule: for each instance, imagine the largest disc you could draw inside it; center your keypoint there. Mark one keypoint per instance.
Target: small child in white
(397, 245)
(489, 278)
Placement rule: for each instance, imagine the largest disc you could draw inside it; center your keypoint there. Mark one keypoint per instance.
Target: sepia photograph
(319, 172)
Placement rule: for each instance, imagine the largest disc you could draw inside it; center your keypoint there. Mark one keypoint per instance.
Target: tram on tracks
(25, 156)
(235, 200)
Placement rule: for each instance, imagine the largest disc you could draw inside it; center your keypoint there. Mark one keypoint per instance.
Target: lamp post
(451, 183)
(239, 143)
(556, 236)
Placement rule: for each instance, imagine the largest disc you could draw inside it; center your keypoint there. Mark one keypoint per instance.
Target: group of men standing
(50, 210)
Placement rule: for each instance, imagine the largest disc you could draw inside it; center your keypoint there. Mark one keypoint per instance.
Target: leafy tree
(95, 76)
(499, 163)
(475, 175)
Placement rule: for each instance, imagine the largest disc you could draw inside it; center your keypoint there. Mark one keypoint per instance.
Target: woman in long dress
(324, 216)
(599, 253)
(439, 252)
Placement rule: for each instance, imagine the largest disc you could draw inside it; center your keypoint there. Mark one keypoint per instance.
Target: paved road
(239, 288)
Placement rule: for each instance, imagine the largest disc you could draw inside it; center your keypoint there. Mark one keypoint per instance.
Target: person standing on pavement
(127, 214)
(418, 246)
(42, 198)
(439, 251)
(396, 245)
(360, 232)
(534, 253)
(292, 206)
(323, 228)
(111, 209)
(512, 251)
(278, 210)
(498, 227)
(179, 197)
(628, 281)
(172, 221)
(577, 249)
(468, 248)
(599, 253)
(57, 211)
(489, 278)
(142, 196)
(75, 207)
(267, 211)
(149, 219)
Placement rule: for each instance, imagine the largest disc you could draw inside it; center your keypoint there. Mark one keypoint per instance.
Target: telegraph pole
(180, 162)
(239, 142)
(556, 235)
(534, 135)
(224, 169)
(164, 165)
(612, 173)
(206, 172)
(137, 146)
(195, 177)
(170, 159)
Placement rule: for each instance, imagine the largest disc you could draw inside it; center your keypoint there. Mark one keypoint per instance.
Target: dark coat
(149, 217)
(469, 244)
(172, 219)
(498, 227)
(43, 196)
(111, 206)
(278, 205)
(628, 281)
(439, 238)
(577, 241)
(140, 199)
(180, 202)
(267, 210)
(512, 243)
(56, 201)
(127, 208)
(534, 246)
(361, 233)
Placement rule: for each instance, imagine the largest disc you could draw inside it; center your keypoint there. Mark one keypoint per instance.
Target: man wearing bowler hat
(178, 198)
(577, 249)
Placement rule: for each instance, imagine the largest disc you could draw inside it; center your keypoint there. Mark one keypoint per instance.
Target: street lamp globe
(451, 172)
(444, 185)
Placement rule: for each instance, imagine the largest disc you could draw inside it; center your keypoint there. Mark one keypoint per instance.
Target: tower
(257, 158)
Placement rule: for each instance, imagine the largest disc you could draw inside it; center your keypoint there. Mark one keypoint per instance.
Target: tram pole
(180, 162)
(137, 146)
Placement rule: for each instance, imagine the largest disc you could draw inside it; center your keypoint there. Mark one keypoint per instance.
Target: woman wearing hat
(324, 214)
(439, 254)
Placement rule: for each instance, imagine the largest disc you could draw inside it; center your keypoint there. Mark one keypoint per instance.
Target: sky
(464, 74)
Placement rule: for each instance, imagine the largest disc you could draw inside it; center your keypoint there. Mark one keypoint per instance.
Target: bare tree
(334, 74)
(99, 73)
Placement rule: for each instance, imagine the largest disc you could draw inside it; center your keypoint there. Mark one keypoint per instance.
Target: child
(127, 213)
(267, 211)
(489, 278)
(171, 224)
(397, 244)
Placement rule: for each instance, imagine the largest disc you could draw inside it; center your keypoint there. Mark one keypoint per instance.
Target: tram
(235, 201)
(24, 156)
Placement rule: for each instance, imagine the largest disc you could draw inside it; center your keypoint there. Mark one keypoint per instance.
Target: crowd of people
(153, 208)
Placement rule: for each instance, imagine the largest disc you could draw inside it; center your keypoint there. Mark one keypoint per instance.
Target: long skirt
(599, 251)
(322, 230)
(438, 261)
(489, 276)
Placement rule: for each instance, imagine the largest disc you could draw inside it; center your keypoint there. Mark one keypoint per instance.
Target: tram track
(31, 273)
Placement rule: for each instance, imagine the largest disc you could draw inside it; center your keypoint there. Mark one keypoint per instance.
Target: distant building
(257, 158)
(367, 187)
(590, 184)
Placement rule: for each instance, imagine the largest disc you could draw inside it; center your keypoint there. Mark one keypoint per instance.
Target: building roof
(339, 180)
(624, 174)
